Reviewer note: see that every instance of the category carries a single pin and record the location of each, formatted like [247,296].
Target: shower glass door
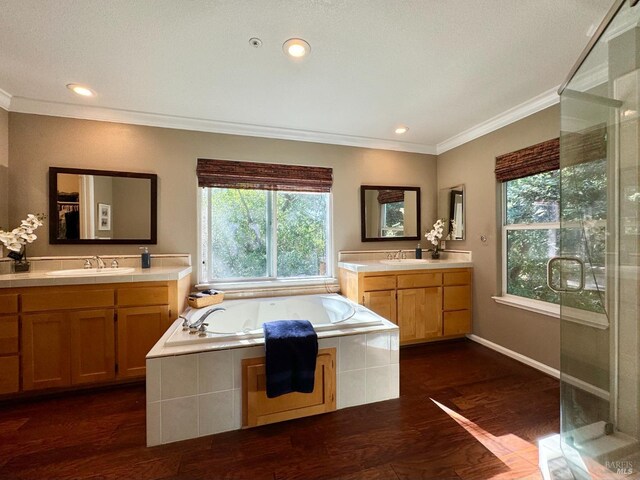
[596,272]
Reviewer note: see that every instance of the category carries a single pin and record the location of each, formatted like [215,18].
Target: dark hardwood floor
[465,412]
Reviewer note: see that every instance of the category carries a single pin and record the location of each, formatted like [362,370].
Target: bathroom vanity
[66,330]
[428,299]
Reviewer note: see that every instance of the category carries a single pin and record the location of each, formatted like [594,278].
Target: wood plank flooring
[465,413]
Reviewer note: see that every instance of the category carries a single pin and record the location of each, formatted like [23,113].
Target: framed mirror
[389,213]
[102,207]
[451,207]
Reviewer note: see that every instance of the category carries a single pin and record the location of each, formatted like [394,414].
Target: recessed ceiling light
[255,42]
[296,48]
[402,129]
[81,90]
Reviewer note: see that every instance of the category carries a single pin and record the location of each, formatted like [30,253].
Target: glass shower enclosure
[597,270]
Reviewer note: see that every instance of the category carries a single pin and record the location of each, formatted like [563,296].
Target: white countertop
[40,278]
[378,266]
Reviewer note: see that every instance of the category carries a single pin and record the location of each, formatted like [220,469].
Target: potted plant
[16,241]
[434,237]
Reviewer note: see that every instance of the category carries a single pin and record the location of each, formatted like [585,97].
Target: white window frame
[205,277]
[584,317]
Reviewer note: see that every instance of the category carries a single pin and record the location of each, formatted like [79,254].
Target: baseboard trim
[554,372]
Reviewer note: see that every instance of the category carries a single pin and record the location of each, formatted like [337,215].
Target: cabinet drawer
[133,297]
[8,335]
[457,278]
[420,280]
[9,374]
[379,283]
[457,323]
[9,303]
[66,299]
[457,298]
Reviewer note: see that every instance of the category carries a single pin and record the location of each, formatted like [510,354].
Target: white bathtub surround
[163,268]
[195,390]
[372,260]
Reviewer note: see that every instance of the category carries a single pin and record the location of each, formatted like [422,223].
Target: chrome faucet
[99,262]
[398,255]
[198,324]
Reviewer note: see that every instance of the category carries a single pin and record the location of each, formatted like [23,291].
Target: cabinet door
[382,302]
[93,347]
[139,328]
[419,314]
[46,358]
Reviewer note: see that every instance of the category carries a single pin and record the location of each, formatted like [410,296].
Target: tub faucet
[193,328]
[99,262]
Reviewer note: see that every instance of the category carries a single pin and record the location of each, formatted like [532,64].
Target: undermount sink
[88,272]
[405,261]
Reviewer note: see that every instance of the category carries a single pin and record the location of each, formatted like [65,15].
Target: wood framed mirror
[389,213]
[102,207]
[451,208]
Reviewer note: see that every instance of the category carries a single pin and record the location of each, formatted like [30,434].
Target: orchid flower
[16,239]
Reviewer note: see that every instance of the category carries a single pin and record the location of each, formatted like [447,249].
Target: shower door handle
[560,288]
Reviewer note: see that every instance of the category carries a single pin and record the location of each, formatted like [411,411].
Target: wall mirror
[389,213]
[102,207]
[451,207]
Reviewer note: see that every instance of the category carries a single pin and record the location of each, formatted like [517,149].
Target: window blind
[390,196]
[263,176]
[539,158]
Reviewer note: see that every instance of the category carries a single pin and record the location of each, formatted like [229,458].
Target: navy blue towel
[291,350]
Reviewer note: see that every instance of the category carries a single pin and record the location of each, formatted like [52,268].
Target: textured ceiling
[438,66]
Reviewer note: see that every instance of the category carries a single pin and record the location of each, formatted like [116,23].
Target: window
[252,234]
[392,219]
[530,234]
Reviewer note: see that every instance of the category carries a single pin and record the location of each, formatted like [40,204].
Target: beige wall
[131,207]
[37,142]
[472,164]
[4,169]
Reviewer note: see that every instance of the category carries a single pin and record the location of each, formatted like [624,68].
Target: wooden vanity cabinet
[427,305]
[65,336]
[9,344]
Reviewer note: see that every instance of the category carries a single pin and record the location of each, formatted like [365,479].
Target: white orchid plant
[435,235]
[17,239]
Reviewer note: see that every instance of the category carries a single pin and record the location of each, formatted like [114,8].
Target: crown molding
[536,104]
[85,112]
[5,100]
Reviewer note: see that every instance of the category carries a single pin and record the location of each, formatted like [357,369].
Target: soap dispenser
[145,258]
[419,251]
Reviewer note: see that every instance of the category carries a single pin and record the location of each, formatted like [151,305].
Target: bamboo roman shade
[588,145]
[539,158]
[263,176]
[390,196]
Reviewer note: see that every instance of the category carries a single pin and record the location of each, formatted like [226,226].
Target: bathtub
[195,384]
[243,319]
